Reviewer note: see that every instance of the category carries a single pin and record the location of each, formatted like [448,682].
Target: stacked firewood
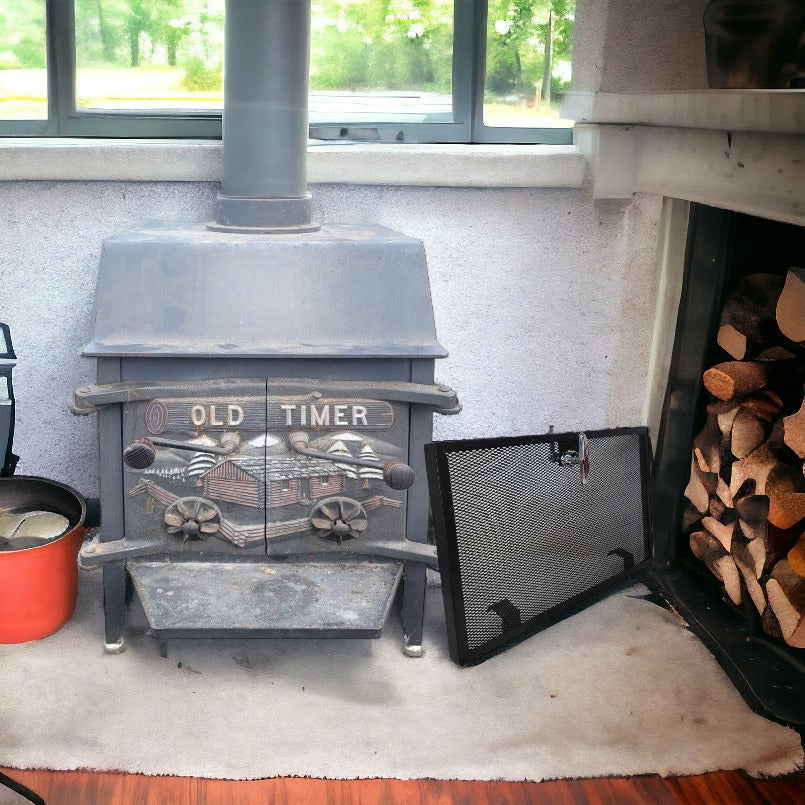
[746,512]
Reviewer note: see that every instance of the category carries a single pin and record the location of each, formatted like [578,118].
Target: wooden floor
[109,788]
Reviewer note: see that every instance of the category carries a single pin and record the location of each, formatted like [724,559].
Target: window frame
[468,86]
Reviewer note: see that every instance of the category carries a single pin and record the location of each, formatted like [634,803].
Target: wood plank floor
[110,788]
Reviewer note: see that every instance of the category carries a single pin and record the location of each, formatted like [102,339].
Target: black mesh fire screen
[528,528]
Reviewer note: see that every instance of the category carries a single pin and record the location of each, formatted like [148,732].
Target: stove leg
[114,605]
[413,607]
[162,646]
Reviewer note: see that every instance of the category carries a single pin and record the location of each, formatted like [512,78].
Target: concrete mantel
[757,110]
[736,149]
[449,165]
[752,172]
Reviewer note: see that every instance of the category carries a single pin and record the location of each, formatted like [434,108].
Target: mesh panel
[529,535]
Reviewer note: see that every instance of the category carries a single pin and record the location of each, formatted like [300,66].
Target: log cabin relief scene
[218,481]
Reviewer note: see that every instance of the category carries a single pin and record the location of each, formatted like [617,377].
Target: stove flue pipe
[265,128]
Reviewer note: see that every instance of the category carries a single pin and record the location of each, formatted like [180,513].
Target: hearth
[265,389]
[732,258]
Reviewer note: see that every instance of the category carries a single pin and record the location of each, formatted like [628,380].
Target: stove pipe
[265,121]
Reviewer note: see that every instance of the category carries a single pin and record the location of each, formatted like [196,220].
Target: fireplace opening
[728,469]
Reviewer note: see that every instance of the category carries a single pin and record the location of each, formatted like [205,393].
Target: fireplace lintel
[735,149]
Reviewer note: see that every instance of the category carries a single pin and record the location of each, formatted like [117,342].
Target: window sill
[43,159]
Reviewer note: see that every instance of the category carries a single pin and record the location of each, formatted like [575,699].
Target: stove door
[320,505]
[203,490]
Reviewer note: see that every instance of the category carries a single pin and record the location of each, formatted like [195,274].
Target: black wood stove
[265,389]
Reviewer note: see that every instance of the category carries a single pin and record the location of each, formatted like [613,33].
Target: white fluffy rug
[620,689]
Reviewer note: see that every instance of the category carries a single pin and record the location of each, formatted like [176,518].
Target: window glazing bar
[464,57]
[60,33]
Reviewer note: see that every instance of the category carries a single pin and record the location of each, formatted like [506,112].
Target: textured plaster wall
[635,46]
[544,298]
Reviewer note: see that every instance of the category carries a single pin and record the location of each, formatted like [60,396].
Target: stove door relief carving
[196,465]
[338,450]
[283,475]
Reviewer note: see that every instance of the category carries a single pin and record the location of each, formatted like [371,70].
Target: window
[384,70]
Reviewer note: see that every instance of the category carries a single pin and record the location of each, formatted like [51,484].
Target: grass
[23,96]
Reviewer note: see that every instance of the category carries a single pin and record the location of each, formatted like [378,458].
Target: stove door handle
[141,453]
[395,474]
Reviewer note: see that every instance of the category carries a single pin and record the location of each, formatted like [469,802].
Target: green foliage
[355,44]
[558,87]
[200,78]
[516,34]
[30,53]
[134,33]
[381,44]
[22,35]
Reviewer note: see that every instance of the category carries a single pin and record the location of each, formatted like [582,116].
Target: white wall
[544,298]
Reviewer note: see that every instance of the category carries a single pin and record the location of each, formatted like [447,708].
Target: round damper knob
[398,475]
[139,454]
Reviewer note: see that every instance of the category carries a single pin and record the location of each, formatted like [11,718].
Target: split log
[690,518]
[725,413]
[796,557]
[785,487]
[755,467]
[724,494]
[774,397]
[753,525]
[716,508]
[779,541]
[732,341]
[746,565]
[776,440]
[700,487]
[770,624]
[791,306]
[707,445]
[750,308]
[786,592]
[709,550]
[734,379]
[753,509]
[794,431]
[754,531]
[764,409]
[775,353]
[723,533]
[748,433]
[757,550]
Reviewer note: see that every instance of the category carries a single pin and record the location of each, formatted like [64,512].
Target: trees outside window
[372,61]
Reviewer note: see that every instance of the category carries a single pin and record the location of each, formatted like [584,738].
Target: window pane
[149,54]
[371,60]
[527,62]
[381,61]
[23,61]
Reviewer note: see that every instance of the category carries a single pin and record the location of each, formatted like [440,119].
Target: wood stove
[265,389]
